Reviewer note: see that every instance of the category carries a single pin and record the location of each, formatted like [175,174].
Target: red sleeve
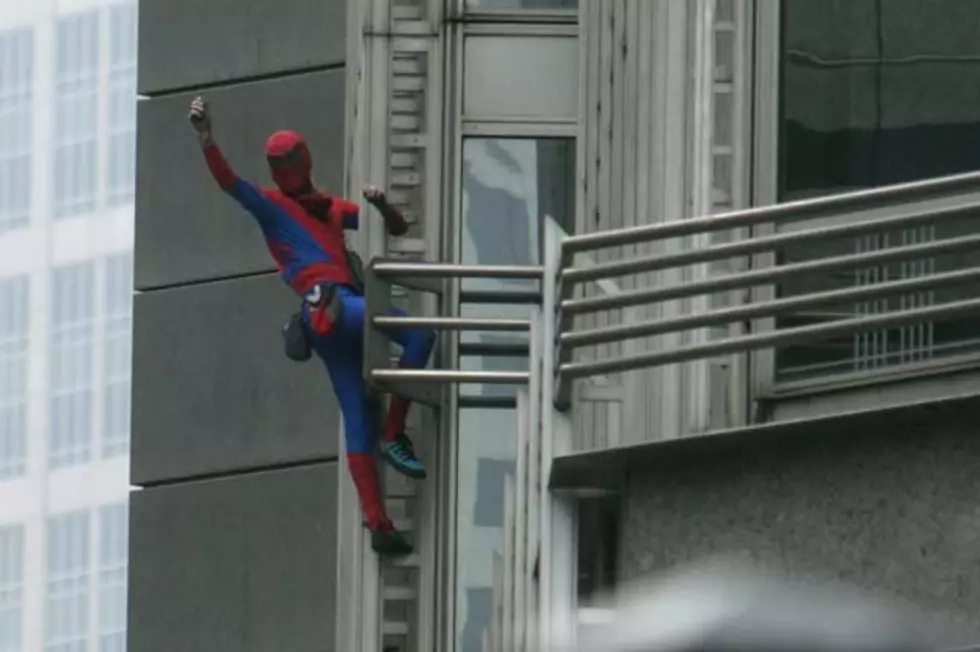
[219,167]
[349,212]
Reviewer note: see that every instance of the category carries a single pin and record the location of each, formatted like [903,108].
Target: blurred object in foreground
[721,608]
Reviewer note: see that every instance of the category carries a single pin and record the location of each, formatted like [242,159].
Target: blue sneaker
[400,455]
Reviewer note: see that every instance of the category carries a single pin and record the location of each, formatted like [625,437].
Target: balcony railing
[539,609]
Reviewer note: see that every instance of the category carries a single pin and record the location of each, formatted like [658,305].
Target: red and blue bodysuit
[304,230]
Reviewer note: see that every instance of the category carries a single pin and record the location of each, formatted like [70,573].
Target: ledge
[605,470]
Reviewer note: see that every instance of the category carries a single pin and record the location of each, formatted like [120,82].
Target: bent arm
[246,194]
[394,220]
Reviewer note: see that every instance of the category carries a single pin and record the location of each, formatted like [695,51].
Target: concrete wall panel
[895,512]
[187,43]
[245,563]
[186,228]
[213,391]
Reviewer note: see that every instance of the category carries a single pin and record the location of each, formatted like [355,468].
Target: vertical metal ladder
[404,33]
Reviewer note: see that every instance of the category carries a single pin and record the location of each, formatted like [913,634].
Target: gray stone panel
[245,563]
[213,391]
[188,43]
[895,511]
[187,229]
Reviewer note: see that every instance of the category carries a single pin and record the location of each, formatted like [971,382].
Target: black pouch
[295,343]
[356,266]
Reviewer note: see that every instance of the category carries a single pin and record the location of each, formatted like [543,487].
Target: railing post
[557,551]
[554,292]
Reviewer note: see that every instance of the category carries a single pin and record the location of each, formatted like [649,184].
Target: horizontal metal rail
[449,270]
[768,275]
[784,337]
[452,323]
[785,212]
[773,308]
[500,296]
[759,245]
[452,376]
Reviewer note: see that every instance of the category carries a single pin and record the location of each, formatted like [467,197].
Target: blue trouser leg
[416,343]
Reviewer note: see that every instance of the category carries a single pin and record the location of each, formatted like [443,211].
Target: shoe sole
[414,474]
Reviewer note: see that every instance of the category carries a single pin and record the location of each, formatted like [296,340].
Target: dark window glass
[876,93]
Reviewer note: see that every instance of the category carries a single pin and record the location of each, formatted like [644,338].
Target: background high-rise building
[67,162]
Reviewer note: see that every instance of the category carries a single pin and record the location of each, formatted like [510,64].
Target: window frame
[460,10]
[26,101]
[68,207]
[13,535]
[81,584]
[459,127]
[766,142]
[20,342]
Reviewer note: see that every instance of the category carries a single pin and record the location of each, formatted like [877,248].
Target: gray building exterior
[234,449]
[502,129]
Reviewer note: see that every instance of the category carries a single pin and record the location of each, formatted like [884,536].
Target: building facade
[67,148]
[502,128]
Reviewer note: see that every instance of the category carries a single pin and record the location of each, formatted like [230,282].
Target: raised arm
[392,216]
[246,194]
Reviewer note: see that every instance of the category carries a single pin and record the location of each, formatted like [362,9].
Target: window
[72,302]
[118,300]
[876,93]
[67,613]
[521,4]
[11,587]
[510,186]
[122,103]
[16,122]
[13,375]
[76,114]
[113,554]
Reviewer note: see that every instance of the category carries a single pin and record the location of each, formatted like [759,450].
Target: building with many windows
[770,352]
[67,147]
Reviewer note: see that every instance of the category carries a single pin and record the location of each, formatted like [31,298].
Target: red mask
[289,162]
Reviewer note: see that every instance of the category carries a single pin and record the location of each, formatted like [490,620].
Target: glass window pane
[76,114]
[521,4]
[877,93]
[14,347]
[11,587]
[113,554]
[117,322]
[16,126]
[67,591]
[510,186]
[72,331]
[503,77]
[122,103]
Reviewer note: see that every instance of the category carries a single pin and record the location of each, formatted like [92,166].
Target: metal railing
[424,385]
[564,278]
[571,277]
[544,517]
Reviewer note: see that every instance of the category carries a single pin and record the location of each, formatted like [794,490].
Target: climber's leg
[395,447]
[343,364]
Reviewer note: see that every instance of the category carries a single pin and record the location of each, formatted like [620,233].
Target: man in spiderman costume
[304,231]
